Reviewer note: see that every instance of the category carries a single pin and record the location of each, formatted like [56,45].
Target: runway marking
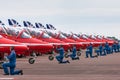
[7,79]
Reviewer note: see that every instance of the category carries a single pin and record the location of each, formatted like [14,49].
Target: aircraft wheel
[66,55]
[37,54]
[31,60]
[78,53]
[51,58]
[1,65]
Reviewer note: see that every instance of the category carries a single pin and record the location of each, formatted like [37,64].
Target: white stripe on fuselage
[11,45]
[35,44]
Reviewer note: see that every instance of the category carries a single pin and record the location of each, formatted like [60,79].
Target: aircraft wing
[3,45]
[59,43]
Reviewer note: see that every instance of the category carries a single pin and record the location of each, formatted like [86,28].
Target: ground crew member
[11,64]
[73,55]
[61,55]
[89,51]
[100,50]
[118,47]
[114,47]
[107,49]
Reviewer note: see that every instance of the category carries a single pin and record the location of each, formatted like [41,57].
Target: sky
[100,17]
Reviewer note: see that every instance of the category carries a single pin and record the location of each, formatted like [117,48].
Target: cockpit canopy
[75,37]
[62,36]
[37,33]
[93,37]
[84,36]
[16,31]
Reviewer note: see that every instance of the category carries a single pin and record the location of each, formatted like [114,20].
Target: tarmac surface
[101,68]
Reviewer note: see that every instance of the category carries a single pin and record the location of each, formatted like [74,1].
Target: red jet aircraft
[19,35]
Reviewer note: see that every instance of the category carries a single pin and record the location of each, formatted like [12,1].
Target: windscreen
[45,35]
[51,34]
[12,32]
[84,36]
[15,32]
[62,36]
[75,37]
[100,37]
[93,37]
[25,35]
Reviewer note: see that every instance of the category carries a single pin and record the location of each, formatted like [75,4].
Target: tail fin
[52,26]
[13,22]
[39,25]
[10,22]
[1,23]
[28,24]
[25,24]
[49,26]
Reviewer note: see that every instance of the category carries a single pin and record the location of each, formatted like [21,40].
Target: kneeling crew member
[89,51]
[61,55]
[73,55]
[11,64]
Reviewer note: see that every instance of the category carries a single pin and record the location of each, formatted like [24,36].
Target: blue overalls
[11,64]
[89,51]
[118,47]
[73,55]
[107,49]
[114,47]
[99,51]
[61,55]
